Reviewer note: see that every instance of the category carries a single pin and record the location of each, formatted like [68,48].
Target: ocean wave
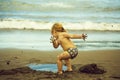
[60,5]
[29,24]
[20,5]
[99,45]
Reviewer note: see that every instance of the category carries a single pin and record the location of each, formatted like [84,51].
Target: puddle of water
[45,67]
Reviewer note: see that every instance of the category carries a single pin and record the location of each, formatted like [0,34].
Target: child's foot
[68,71]
[59,73]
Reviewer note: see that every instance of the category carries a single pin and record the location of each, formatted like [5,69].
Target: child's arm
[54,41]
[76,36]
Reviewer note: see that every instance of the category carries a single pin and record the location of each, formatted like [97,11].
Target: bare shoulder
[65,34]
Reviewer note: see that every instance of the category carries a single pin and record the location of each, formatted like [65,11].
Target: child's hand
[52,39]
[84,36]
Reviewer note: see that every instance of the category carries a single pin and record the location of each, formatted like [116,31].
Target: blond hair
[57,27]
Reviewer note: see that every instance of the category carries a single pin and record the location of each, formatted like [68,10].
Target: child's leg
[62,56]
[68,64]
[59,64]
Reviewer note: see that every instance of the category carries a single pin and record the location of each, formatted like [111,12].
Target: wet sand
[13,65]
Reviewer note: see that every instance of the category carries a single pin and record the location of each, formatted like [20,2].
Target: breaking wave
[29,24]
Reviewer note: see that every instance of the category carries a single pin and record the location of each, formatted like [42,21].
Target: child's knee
[59,57]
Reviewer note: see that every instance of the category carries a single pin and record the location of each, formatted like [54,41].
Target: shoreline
[15,59]
[92,30]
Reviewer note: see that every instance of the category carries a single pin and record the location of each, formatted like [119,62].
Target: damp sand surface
[13,65]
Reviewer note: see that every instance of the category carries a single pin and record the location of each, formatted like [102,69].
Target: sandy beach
[13,65]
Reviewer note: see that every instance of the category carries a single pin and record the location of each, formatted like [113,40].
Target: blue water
[61,10]
[40,40]
[45,67]
[91,15]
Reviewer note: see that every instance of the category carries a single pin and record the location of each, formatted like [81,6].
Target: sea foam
[57,4]
[29,24]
